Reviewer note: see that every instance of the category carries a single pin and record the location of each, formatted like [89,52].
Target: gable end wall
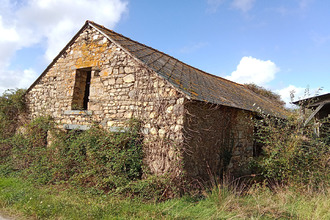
[121,89]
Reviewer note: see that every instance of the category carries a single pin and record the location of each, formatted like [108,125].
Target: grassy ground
[23,200]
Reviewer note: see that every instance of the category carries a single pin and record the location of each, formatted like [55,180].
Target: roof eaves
[314,98]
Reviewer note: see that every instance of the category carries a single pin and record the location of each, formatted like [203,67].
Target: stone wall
[179,134]
[121,88]
[218,140]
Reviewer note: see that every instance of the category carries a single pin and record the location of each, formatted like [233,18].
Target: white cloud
[243,5]
[8,34]
[58,20]
[253,70]
[298,8]
[29,75]
[8,42]
[52,23]
[10,79]
[292,93]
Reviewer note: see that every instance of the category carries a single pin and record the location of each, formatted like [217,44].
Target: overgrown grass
[97,175]
[21,199]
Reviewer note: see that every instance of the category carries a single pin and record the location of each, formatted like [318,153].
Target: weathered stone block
[129,78]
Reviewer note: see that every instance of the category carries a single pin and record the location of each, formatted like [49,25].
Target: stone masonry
[121,88]
[218,140]
[181,136]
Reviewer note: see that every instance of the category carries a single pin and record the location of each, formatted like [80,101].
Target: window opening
[81,90]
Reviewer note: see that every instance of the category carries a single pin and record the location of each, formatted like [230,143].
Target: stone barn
[194,124]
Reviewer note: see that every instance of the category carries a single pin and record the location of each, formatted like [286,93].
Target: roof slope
[195,83]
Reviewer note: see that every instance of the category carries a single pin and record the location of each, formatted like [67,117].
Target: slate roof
[195,83]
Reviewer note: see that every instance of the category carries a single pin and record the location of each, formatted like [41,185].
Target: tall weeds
[292,153]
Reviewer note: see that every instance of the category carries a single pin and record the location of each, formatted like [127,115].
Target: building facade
[194,124]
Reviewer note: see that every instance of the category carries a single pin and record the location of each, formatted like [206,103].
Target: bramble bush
[95,159]
[92,158]
[292,153]
[98,158]
[11,105]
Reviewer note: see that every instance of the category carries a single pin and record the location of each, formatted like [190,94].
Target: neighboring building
[320,110]
[194,123]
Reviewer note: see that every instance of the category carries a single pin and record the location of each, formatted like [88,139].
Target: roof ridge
[209,74]
[235,95]
[214,94]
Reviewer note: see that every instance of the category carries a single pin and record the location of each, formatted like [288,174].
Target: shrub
[98,158]
[92,158]
[29,153]
[292,154]
[11,105]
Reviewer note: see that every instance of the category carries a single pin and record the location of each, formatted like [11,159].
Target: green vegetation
[21,198]
[46,173]
[293,154]
[266,93]
[96,159]
[11,105]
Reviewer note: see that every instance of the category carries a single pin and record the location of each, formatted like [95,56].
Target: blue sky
[282,45]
